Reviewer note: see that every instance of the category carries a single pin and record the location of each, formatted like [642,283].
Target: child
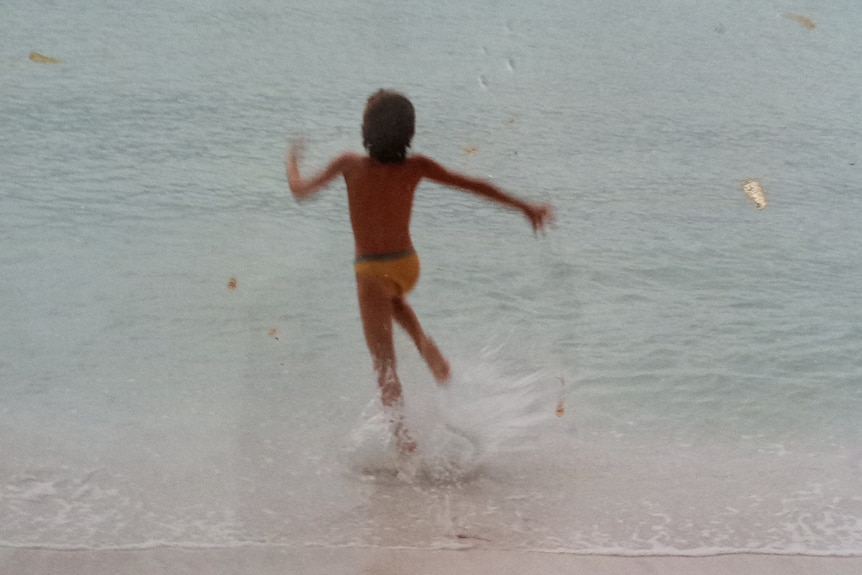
[380,189]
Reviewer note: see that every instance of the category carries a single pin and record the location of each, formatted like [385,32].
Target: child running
[380,190]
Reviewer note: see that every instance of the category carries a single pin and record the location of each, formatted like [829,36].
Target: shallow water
[708,351]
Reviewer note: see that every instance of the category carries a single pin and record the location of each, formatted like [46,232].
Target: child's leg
[406,318]
[376,310]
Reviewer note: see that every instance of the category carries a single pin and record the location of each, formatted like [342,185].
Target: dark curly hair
[388,125]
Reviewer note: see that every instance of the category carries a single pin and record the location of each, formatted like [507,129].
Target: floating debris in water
[561,408]
[807,22]
[470,150]
[273,333]
[231,283]
[755,192]
[43,59]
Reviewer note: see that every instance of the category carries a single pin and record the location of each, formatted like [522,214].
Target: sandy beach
[388,561]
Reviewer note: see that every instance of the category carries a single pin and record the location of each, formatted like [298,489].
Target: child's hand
[296,150]
[539,215]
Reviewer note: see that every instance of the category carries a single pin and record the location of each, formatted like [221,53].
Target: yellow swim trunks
[399,269]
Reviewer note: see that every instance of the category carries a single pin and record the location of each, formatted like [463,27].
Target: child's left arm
[301,188]
[539,215]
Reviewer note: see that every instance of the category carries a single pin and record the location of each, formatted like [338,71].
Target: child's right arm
[538,214]
[301,188]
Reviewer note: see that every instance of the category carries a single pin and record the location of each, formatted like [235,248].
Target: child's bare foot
[406,444]
[436,362]
[395,412]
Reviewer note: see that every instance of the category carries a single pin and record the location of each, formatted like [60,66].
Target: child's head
[388,125]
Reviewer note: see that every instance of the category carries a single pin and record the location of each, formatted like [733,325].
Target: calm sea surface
[181,358]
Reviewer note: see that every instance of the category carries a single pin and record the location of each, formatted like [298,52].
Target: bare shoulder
[348,160]
[433,170]
[420,160]
[426,166]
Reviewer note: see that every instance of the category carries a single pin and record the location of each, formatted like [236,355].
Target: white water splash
[485,413]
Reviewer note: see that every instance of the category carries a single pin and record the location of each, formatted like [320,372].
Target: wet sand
[268,560]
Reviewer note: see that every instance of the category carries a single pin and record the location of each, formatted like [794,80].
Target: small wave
[699,552]
[65,508]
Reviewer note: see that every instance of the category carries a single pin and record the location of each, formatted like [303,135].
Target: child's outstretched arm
[538,214]
[301,188]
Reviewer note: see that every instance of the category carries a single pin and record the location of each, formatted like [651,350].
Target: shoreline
[272,560]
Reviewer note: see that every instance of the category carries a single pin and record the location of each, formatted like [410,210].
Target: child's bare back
[380,197]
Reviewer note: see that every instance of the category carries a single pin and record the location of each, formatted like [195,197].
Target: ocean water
[181,358]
